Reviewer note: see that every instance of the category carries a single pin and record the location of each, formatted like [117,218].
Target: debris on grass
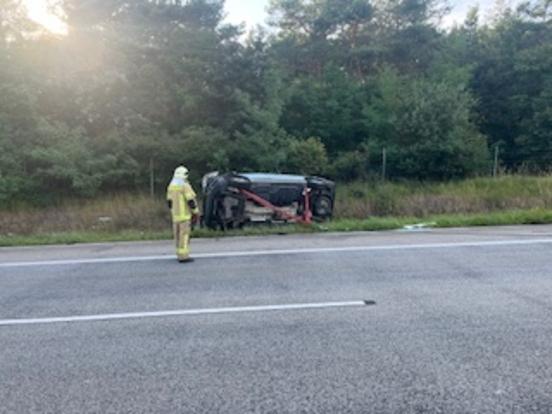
[419,226]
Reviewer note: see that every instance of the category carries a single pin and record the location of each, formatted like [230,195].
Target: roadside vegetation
[360,206]
[418,199]
[379,94]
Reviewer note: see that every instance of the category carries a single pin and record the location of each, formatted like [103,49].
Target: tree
[421,141]
[535,139]
[514,64]
[328,108]
[141,86]
[14,22]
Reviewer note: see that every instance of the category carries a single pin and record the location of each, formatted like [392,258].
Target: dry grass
[481,195]
[109,214]
[139,215]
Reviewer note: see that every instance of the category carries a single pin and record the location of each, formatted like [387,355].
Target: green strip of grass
[535,216]
[80,237]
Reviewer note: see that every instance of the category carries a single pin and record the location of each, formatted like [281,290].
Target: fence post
[152,178]
[384,164]
[495,164]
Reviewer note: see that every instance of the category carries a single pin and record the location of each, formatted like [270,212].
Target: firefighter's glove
[195,219]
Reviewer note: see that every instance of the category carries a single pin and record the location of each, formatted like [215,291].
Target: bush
[349,166]
[307,157]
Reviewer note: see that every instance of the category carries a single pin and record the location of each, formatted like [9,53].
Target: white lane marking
[252,253]
[188,312]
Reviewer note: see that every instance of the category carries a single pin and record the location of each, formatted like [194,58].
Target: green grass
[76,237]
[533,216]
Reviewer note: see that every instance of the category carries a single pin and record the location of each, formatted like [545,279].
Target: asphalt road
[462,324]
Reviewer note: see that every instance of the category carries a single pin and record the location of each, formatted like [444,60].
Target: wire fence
[502,161]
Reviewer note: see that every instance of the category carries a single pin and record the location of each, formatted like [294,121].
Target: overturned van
[233,200]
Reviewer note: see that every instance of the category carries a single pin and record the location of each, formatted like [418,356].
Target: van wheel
[322,207]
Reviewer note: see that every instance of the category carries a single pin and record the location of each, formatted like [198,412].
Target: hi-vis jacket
[181,195]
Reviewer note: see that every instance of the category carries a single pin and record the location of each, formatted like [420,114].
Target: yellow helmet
[181,172]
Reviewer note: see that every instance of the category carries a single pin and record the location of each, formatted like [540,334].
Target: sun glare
[40,12]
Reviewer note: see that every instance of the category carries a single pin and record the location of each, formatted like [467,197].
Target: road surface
[443,321]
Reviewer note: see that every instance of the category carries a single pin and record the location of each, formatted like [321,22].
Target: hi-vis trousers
[182,232]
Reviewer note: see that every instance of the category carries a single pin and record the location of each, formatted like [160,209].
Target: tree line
[138,87]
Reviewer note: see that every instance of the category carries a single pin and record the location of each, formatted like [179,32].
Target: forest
[327,87]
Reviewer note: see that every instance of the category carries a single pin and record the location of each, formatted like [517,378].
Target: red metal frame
[305,218]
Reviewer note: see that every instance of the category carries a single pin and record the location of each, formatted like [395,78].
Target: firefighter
[185,211]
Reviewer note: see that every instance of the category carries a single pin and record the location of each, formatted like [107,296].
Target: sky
[250,12]
[253,12]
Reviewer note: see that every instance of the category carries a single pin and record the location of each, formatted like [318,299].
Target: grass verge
[533,216]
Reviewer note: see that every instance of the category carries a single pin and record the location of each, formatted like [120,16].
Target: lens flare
[42,13]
